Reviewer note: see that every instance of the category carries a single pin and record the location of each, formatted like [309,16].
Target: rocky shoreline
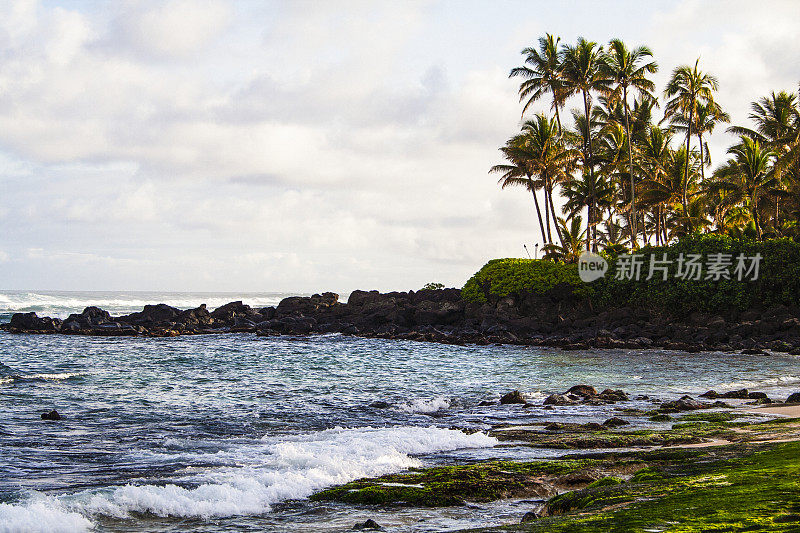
[443,316]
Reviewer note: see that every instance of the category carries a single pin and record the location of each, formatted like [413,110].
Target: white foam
[280,469]
[39,516]
[425,405]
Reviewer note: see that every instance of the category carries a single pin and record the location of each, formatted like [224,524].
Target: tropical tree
[542,75]
[574,239]
[688,88]
[582,75]
[748,178]
[516,173]
[628,69]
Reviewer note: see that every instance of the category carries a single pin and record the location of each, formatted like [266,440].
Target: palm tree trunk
[538,211]
[547,214]
[591,234]
[702,159]
[555,220]
[630,166]
[658,225]
[558,117]
[686,168]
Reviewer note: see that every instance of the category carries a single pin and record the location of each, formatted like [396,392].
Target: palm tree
[707,116]
[574,238]
[688,88]
[748,178]
[581,74]
[537,159]
[625,69]
[659,191]
[542,74]
[549,159]
[516,173]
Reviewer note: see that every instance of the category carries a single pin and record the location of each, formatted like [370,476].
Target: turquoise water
[233,432]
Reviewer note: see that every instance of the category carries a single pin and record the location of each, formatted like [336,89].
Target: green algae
[731,488]
[453,485]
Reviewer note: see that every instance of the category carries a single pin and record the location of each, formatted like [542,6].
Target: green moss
[727,489]
[451,485]
[605,482]
[723,416]
[660,418]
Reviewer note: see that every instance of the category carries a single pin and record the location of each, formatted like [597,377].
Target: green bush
[512,277]
[778,281]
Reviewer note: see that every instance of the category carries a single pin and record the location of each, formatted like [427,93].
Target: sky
[195,145]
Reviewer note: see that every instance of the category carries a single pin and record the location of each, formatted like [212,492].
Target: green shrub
[778,281]
[512,277]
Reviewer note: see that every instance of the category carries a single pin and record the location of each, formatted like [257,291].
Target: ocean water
[234,432]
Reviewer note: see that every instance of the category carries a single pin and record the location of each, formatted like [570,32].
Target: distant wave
[59,304]
[425,405]
[272,471]
[9,375]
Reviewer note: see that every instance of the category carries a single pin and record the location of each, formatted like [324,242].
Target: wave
[22,378]
[276,470]
[62,303]
[423,405]
[770,382]
[47,517]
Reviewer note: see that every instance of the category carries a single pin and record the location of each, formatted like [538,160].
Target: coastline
[443,316]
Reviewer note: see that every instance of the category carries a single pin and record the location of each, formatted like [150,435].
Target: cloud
[298,146]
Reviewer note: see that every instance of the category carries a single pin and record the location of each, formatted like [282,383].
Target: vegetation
[639,180]
[778,279]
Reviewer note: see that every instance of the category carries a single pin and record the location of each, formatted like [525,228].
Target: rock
[711,395]
[793,398]
[380,405]
[615,422]
[512,397]
[485,403]
[612,396]
[753,351]
[686,403]
[757,396]
[741,394]
[306,304]
[52,415]
[369,524]
[530,516]
[31,322]
[582,390]
[558,399]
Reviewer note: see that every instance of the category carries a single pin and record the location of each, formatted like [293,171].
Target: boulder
[369,524]
[793,398]
[152,315]
[611,395]
[615,422]
[559,399]
[530,516]
[686,403]
[306,304]
[582,390]
[512,397]
[52,415]
[31,322]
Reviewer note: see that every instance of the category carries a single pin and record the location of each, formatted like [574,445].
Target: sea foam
[278,469]
[41,516]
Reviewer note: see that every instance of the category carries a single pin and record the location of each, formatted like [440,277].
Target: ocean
[234,432]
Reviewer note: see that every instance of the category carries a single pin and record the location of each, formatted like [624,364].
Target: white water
[275,470]
[59,304]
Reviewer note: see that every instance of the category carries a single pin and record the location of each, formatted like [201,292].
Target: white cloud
[298,146]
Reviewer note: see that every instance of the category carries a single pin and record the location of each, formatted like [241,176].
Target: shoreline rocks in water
[443,316]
